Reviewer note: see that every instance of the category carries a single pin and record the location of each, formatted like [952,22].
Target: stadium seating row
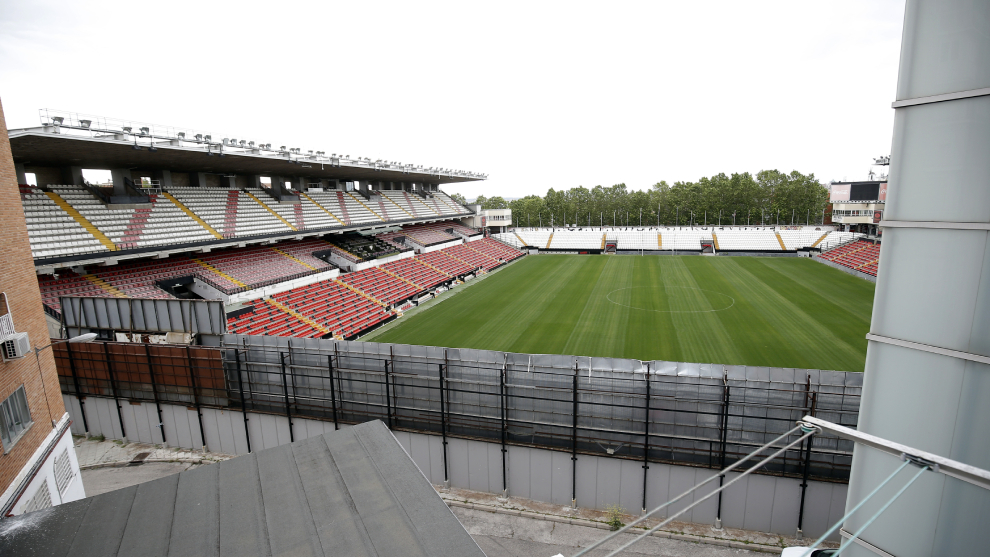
[65,220]
[234,269]
[860,255]
[672,238]
[357,301]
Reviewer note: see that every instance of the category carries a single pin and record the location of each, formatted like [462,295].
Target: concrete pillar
[117,175]
[229,181]
[253,181]
[71,175]
[933,291]
[362,187]
[197,179]
[278,185]
[164,177]
[299,183]
[19,170]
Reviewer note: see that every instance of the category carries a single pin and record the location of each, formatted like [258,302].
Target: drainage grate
[138,459]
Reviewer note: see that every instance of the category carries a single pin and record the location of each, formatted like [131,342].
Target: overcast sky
[535,94]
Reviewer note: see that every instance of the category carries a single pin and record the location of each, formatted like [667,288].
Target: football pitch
[759,311]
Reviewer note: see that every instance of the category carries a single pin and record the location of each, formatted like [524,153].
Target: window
[31,178]
[14,418]
[42,499]
[63,472]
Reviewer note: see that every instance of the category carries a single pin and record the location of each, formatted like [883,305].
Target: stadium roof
[351,492]
[70,139]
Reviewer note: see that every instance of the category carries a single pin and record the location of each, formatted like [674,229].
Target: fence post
[113,390]
[574,412]
[646,437]
[75,383]
[501,399]
[443,427]
[807,468]
[285,390]
[199,411]
[333,393]
[154,391]
[722,448]
[388,397]
[240,385]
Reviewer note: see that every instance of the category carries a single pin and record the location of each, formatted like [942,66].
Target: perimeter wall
[560,429]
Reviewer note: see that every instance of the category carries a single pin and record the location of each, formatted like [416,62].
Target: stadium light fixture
[58,120]
[85,124]
[182,135]
[145,131]
[208,138]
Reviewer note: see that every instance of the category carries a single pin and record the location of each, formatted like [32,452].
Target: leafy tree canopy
[768,197]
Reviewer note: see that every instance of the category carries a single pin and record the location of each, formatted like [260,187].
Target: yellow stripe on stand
[304,264]
[191,214]
[64,205]
[213,269]
[106,286]
[286,309]
[365,206]
[270,210]
[314,202]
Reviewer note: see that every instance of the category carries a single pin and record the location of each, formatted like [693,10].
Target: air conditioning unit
[15,346]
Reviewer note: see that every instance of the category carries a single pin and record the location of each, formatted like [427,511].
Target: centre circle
[728,301]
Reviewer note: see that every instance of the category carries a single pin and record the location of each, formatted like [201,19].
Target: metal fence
[689,414]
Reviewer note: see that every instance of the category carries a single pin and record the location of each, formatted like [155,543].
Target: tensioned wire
[842,520]
[688,492]
[876,515]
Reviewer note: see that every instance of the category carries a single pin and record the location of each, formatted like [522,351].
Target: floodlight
[58,120]
[182,135]
[208,137]
[145,131]
[199,137]
[127,129]
[85,123]
[226,141]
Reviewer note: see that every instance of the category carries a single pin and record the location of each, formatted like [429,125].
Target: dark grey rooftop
[353,492]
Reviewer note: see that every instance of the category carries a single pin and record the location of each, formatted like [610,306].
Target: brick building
[38,466]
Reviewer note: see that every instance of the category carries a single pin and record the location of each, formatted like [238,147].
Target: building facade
[38,466]
[858,206]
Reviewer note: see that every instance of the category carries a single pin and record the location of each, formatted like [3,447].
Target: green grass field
[763,311]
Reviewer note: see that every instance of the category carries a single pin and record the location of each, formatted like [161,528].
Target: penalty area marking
[732,303]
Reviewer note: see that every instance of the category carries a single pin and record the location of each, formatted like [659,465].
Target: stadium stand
[746,240]
[428,234]
[160,224]
[382,286]
[675,238]
[68,220]
[414,271]
[53,231]
[861,255]
[577,239]
[495,249]
[536,237]
[356,247]
[227,270]
[412,204]
[329,304]
[440,261]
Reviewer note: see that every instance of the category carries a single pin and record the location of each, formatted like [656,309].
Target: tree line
[770,197]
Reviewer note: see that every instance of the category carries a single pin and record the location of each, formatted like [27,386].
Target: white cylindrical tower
[927,381]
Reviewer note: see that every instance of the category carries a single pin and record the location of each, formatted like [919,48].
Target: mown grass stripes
[780,312]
